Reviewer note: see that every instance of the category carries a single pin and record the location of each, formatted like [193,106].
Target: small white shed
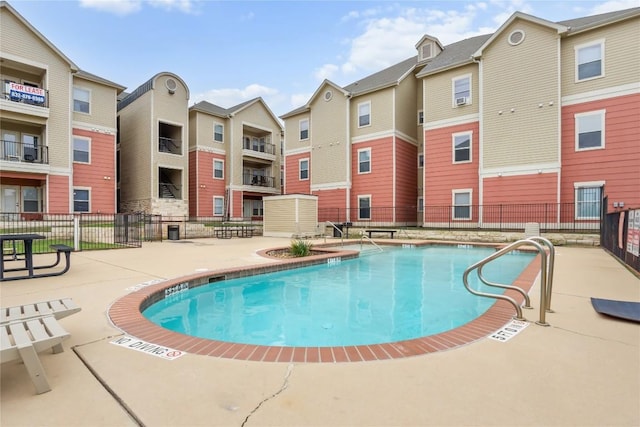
[290,215]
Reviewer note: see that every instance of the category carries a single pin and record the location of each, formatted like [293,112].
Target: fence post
[76,233]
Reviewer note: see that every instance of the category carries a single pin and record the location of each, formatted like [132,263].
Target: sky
[228,52]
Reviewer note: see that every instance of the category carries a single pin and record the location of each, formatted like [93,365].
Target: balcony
[258,181]
[25,99]
[14,151]
[259,147]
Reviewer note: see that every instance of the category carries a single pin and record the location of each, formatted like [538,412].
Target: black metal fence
[558,217]
[80,231]
[620,235]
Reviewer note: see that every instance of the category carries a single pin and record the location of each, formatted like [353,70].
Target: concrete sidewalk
[582,370]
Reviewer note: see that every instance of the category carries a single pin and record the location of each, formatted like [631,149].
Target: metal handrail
[341,233]
[363,237]
[550,267]
[543,279]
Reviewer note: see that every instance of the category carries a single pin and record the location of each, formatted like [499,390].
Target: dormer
[428,47]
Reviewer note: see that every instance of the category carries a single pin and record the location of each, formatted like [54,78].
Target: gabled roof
[523,16]
[7,6]
[454,55]
[388,77]
[428,37]
[92,77]
[589,22]
[127,98]
[307,106]
[216,110]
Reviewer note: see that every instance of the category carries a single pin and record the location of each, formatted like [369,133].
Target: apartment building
[153,149]
[234,159]
[357,147]
[57,125]
[537,112]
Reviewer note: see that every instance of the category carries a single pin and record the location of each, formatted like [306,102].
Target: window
[30,147]
[462,204]
[218,206]
[81,100]
[420,204]
[30,199]
[80,200]
[420,160]
[256,208]
[81,146]
[364,160]
[462,91]
[304,129]
[461,147]
[304,169]
[364,114]
[425,51]
[589,61]
[218,169]
[218,132]
[420,117]
[590,130]
[364,207]
[588,200]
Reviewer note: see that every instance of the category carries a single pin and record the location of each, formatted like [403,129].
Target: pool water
[398,294]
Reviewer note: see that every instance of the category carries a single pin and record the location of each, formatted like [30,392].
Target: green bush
[300,248]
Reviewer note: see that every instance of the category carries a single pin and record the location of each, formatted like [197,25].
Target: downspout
[393,155]
[480,140]
[559,119]
[231,168]
[348,156]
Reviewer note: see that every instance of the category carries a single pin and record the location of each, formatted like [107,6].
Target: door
[10,146]
[10,203]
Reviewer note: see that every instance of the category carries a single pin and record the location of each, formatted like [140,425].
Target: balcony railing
[169,145]
[23,152]
[259,146]
[258,180]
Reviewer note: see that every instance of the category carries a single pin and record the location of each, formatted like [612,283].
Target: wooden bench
[390,232]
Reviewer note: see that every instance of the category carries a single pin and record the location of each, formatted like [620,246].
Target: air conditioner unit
[461,101]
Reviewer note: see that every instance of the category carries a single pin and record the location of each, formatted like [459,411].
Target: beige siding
[381,112]
[290,215]
[292,132]
[21,44]
[438,101]
[406,98]
[103,104]
[621,57]
[135,149]
[329,153]
[520,81]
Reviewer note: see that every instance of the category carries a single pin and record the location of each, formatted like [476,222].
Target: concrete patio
[583,370]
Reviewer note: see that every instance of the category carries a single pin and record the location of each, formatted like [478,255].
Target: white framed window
[461,147]
[304,129]
[218,169]
[81,149]
[218,206]
[461,90]
[81,200]
[461,200]
[588,199]
[81,100]
[420,160]
[364,207]
[590,130]
[589,61]
[303,167]
[420,204]
[420,117]
[364,114]
[30,199]
[364,160]
[218,132]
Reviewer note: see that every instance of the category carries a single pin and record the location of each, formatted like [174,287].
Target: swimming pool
[400,294]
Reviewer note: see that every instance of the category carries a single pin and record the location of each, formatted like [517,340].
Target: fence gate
[127,229]
[620,235]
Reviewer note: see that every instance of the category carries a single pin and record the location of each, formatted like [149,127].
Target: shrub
[300,248]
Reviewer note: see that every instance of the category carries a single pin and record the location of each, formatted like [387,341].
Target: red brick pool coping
[126,315]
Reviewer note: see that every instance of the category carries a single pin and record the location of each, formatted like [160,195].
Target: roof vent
[327,95]
[171,85]
[516,37]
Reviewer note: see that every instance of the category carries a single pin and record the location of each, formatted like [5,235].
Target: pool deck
[583,370]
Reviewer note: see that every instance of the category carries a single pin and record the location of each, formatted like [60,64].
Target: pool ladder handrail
[546,277]
[341,232]
[363,237]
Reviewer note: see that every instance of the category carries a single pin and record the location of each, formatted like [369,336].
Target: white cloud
[228,97]
[327,71]
[126,7]
[299,99]
[612,5]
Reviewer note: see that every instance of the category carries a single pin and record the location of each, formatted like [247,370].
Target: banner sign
[34,95]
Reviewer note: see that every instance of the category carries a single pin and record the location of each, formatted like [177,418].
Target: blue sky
[231,51]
